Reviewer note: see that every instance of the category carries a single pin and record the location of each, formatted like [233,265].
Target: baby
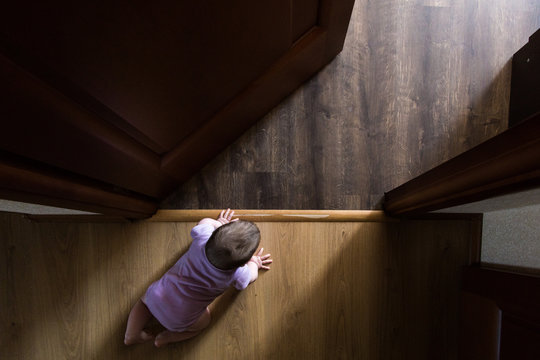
[221,255]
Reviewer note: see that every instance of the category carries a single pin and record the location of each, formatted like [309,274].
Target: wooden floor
[347,290]
[418,82]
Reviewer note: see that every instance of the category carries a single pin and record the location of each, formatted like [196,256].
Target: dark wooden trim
[334,17]
[22,181]
[447,216]
[475,223]
[480,328]
[525,87]
[507,163]
[307,56]
[511,269]
[475,253]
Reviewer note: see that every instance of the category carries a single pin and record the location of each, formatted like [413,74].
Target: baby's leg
[138,317]
[166,337]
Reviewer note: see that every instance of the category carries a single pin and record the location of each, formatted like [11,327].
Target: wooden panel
[336,290]
[40,123]
[429,256]
[516,296]
[480,328]
[506,163]
[519,339]
[164,69]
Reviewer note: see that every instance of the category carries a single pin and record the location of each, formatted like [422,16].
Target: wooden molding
[276,215]
[20,181]
[525,87]
[507,163]
[282,216]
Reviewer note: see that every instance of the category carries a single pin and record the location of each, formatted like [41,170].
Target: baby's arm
[258,262]
[225,217]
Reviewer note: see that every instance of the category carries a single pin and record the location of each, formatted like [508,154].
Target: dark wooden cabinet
[131,99]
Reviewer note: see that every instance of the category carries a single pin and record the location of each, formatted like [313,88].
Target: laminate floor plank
[348,290]
[417,83]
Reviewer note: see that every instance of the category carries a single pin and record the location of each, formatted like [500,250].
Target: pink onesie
[180,297]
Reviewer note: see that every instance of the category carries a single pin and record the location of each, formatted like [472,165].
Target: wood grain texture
[343,290]
[144,97]
[68,136]
[26,181]
[417,83]
[174,64]
[278,215]
[506,163]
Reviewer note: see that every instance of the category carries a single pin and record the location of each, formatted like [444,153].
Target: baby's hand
[263,261]
[225,217]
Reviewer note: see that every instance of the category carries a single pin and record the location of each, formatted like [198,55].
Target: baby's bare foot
[141,338]
[163,338]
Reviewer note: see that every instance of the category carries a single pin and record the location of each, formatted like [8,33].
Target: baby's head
[233,244]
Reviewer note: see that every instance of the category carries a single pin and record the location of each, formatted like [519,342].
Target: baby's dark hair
[233,244]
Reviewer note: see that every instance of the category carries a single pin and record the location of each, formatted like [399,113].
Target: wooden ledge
[277,215]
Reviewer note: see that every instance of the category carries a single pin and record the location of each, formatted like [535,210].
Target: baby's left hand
[262,261]
[225,217]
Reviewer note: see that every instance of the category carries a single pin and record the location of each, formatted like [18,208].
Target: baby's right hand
[263,261]
[225,217]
